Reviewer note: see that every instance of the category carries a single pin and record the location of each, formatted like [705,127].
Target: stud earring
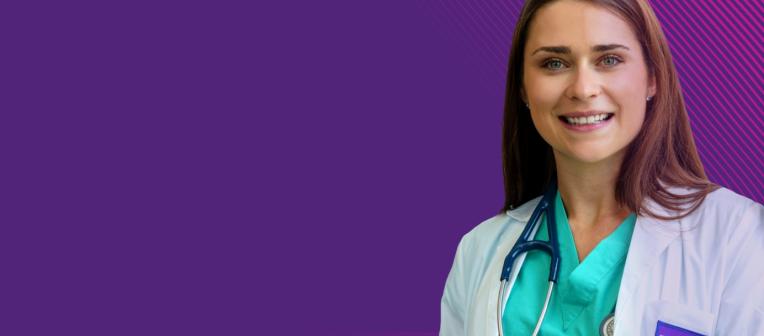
[649,97]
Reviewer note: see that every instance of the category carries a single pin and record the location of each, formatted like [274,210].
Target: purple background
[230,168]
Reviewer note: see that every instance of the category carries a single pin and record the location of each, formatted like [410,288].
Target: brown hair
[662,155]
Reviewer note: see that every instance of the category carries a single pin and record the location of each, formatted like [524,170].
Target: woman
[594,109]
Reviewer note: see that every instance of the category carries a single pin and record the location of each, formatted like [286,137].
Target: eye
[611,60]
[552,64]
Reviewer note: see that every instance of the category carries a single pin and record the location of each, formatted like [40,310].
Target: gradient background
[284,168]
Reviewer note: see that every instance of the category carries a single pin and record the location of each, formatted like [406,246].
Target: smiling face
[585,80]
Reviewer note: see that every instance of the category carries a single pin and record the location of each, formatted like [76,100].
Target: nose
[585,84]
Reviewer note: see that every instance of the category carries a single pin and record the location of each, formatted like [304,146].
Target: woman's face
[582,64]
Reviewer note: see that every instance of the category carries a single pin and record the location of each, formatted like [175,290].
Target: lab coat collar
[523,213]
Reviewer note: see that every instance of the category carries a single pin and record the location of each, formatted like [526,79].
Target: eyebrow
[566,50]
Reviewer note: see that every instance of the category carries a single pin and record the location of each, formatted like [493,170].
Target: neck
[588,192]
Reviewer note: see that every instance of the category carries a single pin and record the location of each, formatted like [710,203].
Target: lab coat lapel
[650,239]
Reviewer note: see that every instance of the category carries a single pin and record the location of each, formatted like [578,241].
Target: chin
[591,156]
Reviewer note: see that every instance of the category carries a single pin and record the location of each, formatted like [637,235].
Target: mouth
[587,122]
[592,119]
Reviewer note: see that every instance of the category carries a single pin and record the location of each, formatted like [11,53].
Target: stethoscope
[552,247]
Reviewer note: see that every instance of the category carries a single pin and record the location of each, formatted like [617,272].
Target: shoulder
[725,201]
[728,228]
[724,230]
[734,229]
[740,220]
[477,250]
[728,214]
[721,211]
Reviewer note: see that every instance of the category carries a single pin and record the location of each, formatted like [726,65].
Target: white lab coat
[704,272]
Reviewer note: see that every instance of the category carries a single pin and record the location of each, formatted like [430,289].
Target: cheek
[542,90]
[629,89]
[546,126]
[632,83]
[545,95]
[632,108]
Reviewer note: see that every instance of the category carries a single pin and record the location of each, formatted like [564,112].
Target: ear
[651,86]
[523,96]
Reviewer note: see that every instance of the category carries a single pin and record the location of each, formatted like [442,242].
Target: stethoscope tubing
[524,245]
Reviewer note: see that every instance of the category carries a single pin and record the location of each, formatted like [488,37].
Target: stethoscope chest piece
[607,327]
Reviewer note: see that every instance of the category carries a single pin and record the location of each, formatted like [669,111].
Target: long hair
[662,155]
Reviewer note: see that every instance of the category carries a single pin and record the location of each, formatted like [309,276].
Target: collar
[523,213]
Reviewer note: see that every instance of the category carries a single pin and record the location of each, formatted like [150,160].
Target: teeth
[586,120]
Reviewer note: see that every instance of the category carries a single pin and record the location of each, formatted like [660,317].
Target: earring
[528,106]
[649,97]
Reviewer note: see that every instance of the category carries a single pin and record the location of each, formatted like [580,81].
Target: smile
[588,123]
[587,120]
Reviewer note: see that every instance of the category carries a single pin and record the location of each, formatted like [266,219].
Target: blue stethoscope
[524,244]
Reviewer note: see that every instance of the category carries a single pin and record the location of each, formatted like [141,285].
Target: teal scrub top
[585,293]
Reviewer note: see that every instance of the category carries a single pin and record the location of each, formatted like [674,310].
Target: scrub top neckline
[621,234]
[582,281]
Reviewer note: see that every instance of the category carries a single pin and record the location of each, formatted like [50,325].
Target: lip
[578,114]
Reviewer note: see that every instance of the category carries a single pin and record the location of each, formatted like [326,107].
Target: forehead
[578,24]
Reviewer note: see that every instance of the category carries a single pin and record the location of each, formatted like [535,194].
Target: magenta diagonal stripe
[727,152]
[709,85]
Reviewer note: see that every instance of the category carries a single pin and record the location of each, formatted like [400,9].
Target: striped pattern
[717,47]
